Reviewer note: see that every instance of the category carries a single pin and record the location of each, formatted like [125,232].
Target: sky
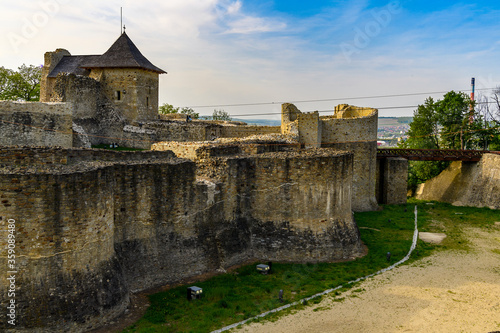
[247,57]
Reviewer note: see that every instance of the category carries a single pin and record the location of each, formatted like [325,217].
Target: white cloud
[217,52]
[250,24]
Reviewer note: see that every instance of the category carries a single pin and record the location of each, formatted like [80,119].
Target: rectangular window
[147,102]
[118,95]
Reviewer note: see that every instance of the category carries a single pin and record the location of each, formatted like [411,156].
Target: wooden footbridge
[434,154]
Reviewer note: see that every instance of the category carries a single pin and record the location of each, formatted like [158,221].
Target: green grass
[245,293]
[117,149]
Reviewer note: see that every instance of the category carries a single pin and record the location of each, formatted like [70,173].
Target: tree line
[216,115]
[20,85]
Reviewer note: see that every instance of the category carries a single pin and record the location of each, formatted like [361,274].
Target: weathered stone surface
[350,128]
[91,226]
[392,180]
[36,124]
[466,184]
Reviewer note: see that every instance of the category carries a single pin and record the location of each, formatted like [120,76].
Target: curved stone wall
[68,276]
[91,229]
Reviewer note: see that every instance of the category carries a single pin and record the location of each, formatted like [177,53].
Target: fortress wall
[196,150]
[53,156]
[170,227]
[356,129]
[392,181]
[358,135]
[91,232]
[83,92]
[364,173]
[156,227]
[309,127]
[303,207]
[184,132]
[244,131]
[474,184]
[48,124]
[68,276]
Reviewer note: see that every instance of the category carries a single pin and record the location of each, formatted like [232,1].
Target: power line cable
[330,99]
[321,111]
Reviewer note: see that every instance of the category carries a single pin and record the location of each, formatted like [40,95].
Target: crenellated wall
[92,226]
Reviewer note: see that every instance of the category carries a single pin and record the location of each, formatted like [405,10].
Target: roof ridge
[123,54]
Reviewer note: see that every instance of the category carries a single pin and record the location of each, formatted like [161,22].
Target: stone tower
[126,78]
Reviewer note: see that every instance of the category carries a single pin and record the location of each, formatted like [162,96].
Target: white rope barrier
[412,247]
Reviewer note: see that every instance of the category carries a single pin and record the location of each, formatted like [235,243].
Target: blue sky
[222,52]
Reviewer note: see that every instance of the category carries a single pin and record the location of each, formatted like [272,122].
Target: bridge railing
[433,154]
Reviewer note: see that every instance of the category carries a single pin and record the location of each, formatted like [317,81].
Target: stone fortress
[95,225]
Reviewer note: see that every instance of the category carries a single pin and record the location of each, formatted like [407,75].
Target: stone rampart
[248,130]
[91,228]
[36,124]
[350,128]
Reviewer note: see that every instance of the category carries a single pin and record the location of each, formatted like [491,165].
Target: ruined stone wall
[24,157]
[92,228]
[36,124]
[303,207]
[51,59]
[69,278]
[197,150]
[310,129]
[466,184]
[289,115]
[358,135]
[244,131]
[350,128]
[184,132]
[83,92]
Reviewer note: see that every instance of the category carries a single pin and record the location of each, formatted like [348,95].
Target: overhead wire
[330,99]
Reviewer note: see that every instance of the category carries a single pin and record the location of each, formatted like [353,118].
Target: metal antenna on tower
[121,20]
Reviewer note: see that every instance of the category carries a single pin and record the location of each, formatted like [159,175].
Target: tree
[23,85]
[454,115]
[489,111]
[423,134]
[5,73]
[424,129]
[168,108]
[220,115]
[442,124]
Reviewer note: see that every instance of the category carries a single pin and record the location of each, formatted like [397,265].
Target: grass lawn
[245,293]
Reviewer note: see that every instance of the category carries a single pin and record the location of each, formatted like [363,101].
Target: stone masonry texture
[93,226]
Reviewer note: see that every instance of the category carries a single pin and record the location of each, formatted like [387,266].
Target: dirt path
[450,291]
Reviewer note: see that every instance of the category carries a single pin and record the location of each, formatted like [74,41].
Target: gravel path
[450,291]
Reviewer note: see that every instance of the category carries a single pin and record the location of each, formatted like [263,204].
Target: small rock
[430,237]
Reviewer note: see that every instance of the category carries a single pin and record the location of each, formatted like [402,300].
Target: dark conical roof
[122,54]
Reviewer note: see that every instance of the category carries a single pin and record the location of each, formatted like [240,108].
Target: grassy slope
[244,293]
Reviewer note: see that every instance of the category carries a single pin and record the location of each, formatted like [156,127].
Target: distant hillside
[394,121]
[382,121]
[260,122]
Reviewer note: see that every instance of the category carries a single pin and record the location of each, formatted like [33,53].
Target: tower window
[118,95]
[147,102]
